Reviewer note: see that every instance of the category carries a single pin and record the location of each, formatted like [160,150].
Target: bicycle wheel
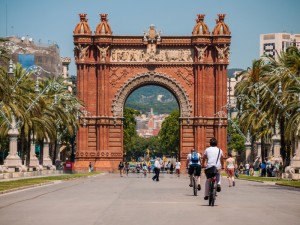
[213,197]
[194,186]
[211,194]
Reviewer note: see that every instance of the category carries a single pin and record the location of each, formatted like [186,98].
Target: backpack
[194,158]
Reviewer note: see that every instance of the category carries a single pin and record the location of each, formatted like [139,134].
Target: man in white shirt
[157,166]
[193,163]
[214,156]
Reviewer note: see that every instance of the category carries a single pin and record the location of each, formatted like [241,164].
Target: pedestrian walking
[126,168]
[157,166]
[177,167]
[121,167]
[230,162]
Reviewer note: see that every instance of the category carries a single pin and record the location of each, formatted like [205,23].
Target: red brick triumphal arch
[111,67]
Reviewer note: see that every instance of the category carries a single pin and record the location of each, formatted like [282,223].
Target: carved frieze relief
[160,55]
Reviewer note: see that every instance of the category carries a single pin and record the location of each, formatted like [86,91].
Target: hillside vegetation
[151,96]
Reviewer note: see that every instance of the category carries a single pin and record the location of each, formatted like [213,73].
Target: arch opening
[152,78]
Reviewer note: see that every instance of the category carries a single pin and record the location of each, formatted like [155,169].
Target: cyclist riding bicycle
[193,163]
[214,156]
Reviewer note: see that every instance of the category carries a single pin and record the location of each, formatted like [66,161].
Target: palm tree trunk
[22,145]
[283,150]
[28,150]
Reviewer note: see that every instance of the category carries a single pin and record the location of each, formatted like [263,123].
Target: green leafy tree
[130,135]
[237,142]
[169,134]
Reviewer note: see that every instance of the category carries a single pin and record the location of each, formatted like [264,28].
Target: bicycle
[194,180]
[212,191]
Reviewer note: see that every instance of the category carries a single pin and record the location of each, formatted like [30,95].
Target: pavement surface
[108,199]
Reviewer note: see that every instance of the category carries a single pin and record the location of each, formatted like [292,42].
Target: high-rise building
[271,44]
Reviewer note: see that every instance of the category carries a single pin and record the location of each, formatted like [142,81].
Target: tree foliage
[169,134]
[42,110]
[129,129]
[268,95]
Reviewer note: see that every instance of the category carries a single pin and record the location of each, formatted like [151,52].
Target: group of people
[213,157]
[266,168]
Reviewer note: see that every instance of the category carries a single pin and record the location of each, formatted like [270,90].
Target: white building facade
[271,44]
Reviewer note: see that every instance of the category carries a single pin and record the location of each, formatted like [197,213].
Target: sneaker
[199,187]
[206,198]
[190,185]
[233,183]
[218,188]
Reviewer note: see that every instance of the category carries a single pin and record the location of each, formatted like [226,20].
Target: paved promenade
[135,200]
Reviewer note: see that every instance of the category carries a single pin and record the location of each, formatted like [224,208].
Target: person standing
[90,167]
[214,157]
[157,166]
[121,167]
[171,168]
[247,167]
[263,169]
[241,168]
[177,167]
[251,169]
[192,164]
[276,169]
[145,168]
[230,162]
[126,168]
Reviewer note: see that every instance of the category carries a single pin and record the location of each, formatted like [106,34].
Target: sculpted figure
[222,52]
[201,52]
[82,51]
[103,53]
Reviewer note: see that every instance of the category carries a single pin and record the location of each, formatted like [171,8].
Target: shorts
[230,172]
[196,167]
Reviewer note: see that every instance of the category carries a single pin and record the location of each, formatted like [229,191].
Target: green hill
[151,96]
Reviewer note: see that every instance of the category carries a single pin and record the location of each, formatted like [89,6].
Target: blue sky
[53,21]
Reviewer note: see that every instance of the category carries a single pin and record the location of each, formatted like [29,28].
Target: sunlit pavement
[134,200]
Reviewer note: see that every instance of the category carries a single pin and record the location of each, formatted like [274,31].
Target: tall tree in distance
[129,128]
[169,134]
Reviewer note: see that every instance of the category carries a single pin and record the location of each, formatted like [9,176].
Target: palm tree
[252,118]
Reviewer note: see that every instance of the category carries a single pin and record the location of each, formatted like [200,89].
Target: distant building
[47,56]
[271,44]
[149,125]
